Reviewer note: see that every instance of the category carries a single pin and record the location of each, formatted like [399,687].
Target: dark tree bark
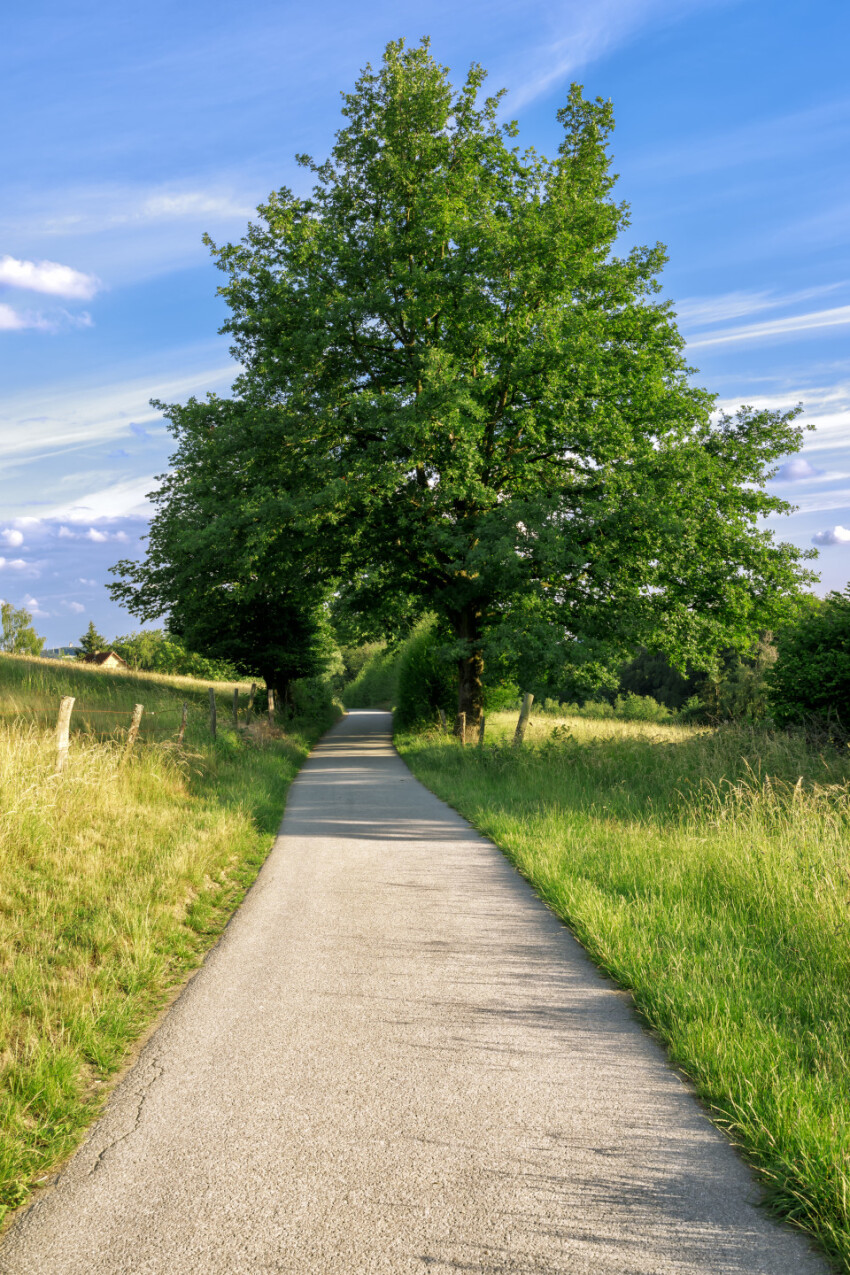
[470,667]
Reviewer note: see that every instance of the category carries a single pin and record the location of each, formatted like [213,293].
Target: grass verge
[115,879]
[709,874]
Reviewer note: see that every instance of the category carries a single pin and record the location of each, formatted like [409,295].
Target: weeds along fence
[163,724]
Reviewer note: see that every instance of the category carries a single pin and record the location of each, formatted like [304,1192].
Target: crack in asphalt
[159,1071]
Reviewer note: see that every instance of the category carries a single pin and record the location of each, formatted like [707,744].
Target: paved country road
[396,1060]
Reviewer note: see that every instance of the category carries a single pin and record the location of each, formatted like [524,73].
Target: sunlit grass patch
[709,873]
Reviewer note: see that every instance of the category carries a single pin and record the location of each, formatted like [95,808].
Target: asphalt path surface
[396,1059]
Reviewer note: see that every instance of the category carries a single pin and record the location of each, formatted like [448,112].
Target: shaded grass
[115,879]
[709,873]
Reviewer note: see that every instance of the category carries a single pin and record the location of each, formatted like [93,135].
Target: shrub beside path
[396,1060]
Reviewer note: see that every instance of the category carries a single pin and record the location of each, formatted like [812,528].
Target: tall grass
[709,873]
[30,689]
[115,878]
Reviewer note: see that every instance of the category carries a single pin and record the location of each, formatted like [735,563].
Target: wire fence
[138,715]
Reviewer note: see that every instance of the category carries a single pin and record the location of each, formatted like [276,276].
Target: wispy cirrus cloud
[576,34]
[66,417]
[698,311]
[94,209]
[838,316]
[48,277]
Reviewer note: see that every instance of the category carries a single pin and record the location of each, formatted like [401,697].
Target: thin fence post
[235,706]
[442,718]
[182,731]
[523,719]
[136,722]
[63,726]
[251,697]
[481,730]
[460,727]
[212,711]
[271,706]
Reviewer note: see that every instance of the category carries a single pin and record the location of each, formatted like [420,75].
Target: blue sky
[131,130]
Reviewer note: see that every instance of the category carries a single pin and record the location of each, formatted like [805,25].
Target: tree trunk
[470,668]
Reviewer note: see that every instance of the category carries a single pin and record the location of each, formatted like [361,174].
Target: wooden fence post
[251,697]
[182,731]
[63,726]
[136,722]
[481,730]
[442,718]
[212,711]
[235,706]
[271,706]
[523,719]
[460,727]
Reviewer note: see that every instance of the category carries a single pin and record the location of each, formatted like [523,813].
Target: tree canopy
[457,397]
[811,678]
[18,637]
[91,642]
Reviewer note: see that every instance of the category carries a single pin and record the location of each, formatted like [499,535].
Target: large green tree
[474,406]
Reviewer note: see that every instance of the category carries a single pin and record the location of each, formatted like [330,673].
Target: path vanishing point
[396,1059]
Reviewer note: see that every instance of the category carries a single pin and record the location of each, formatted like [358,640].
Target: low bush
[426,680]
[376,683]
[810,681]
[154,651]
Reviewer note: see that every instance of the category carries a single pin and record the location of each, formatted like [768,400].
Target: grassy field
[115,879]
[709,873]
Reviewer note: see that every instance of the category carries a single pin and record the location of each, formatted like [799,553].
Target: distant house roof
[109,658]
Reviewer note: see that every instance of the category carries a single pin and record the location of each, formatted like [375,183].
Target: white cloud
[91,583]
[12,320]
[50,277]
[16,321]
[97,536]
[76,607]
[119,500]
[835,536]
[91,210]
[14,564]
[837,317]
[33,607]
[797,469]
[12,538]
[166,206]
